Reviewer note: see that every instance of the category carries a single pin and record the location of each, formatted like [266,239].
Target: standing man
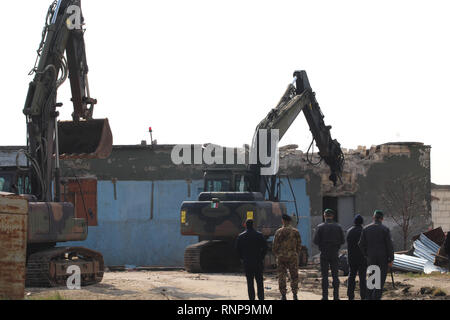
[376,245]
[329,237]
[447,248]
[356,259]
[286,247]
[252,248]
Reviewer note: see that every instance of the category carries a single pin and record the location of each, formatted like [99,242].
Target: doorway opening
[330,203]
[344,207]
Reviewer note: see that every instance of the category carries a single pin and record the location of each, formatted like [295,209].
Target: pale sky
[209,71]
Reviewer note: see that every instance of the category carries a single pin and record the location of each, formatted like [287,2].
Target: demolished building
[132,199]
[372,179]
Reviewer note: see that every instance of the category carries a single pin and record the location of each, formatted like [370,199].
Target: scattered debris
[130,267]
[435,292]
[438,292]
[135,268]
[343,264]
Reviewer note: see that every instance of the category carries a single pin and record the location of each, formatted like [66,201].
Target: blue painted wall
[126,234]
[303,205]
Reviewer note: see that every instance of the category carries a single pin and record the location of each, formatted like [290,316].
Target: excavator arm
[329,148]
[61,55]
[299,97]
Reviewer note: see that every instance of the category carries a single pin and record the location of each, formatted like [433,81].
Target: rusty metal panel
[82,193]
[13,246]
[12,204]
[436,235]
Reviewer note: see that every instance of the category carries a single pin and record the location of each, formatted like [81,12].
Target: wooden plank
[13,246]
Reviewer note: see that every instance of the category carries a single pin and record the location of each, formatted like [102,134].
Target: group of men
[367,246]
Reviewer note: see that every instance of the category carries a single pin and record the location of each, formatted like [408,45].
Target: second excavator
[231,196]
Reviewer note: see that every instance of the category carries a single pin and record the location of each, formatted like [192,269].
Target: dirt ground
[180,285]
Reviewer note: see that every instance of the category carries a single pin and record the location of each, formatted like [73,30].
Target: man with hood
[356,260]
[376,244]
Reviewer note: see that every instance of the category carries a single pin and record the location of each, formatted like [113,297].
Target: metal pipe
[57,164]
[55,14]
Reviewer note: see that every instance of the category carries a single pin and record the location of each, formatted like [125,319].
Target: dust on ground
[180,285]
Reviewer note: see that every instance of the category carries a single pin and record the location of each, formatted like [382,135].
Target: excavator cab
[228,180]
[90,139]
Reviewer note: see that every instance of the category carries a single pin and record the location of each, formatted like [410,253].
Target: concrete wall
[440,205]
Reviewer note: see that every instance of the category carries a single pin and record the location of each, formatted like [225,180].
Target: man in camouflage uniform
[287,247]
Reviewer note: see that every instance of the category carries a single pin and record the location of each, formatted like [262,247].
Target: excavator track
[49,268]
[211,256]
[219,256]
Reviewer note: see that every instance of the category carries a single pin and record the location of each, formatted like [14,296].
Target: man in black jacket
[329,237]
[376,245]
[252,248]
[356,260]
[447,248]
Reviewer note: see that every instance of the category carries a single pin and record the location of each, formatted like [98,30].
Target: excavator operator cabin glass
[218,185]
[242,184]
[5,184]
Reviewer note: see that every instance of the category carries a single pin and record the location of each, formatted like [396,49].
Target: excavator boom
[61,55]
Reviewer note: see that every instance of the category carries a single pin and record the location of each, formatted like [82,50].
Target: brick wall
[440,207]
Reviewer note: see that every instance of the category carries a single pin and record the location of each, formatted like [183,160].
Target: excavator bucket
[90,139]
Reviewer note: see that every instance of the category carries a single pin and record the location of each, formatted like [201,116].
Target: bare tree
[404,202]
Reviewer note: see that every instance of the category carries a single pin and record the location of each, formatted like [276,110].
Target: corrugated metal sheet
[408,263]
[425,251]
[13,245]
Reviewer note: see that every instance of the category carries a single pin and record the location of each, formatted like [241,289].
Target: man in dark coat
[252,248]
[356,260]
[329,237]
[447,248]
[376,245]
